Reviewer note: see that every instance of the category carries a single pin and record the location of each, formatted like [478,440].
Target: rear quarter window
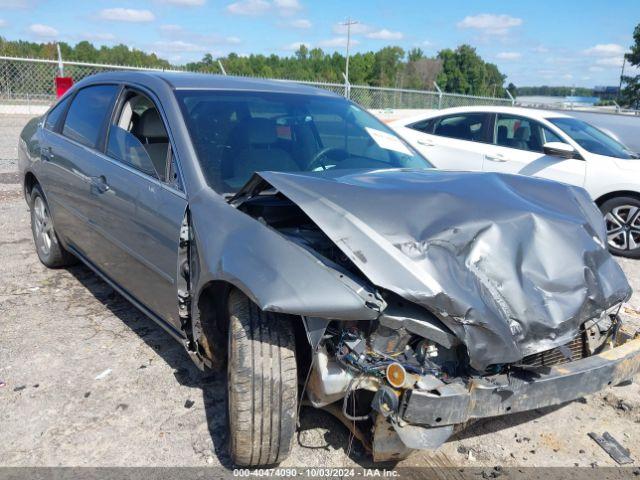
[54,116]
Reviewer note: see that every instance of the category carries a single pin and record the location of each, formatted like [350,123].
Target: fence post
[513,100]
[439,95]
[60,64]
[347,86]
[224,72]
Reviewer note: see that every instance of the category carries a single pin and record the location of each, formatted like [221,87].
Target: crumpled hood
[512,265]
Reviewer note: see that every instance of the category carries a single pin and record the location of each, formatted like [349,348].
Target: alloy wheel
[623,227]
[43,226]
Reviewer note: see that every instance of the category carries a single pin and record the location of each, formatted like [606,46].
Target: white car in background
[542,144]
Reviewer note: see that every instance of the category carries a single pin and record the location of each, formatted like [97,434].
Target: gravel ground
[89,381]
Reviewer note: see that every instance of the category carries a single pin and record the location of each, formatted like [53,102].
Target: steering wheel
[317,158]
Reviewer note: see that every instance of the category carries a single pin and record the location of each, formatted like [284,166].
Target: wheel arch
[211,320]
[29,182]
[618,193]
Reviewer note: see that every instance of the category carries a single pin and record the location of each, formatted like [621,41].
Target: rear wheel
[622,220]
[48,248]
[262,384]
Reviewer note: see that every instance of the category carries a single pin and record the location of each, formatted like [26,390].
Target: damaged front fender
[275,273]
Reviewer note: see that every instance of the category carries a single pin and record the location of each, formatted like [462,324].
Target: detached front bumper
[504,394]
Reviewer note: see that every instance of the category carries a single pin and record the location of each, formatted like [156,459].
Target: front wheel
[622,220]
[262,384]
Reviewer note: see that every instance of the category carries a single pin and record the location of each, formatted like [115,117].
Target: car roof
[524,112]
[206,81]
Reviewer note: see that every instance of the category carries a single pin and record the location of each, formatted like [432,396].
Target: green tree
[464,71]
[631,91]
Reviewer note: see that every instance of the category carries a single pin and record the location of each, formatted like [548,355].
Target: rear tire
[622,220]
[50,252]
[262,384]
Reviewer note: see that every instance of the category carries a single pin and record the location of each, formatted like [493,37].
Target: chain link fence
[27,86]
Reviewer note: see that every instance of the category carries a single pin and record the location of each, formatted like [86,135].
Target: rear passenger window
[54,116]
[468,126]
[87,114]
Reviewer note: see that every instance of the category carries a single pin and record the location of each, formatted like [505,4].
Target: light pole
[348,24]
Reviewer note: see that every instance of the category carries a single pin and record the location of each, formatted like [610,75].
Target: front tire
[262,384]
[50,252]
[622,220]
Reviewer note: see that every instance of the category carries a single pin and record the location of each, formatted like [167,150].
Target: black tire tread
[262,376]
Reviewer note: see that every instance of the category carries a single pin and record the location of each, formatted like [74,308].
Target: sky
[542,42]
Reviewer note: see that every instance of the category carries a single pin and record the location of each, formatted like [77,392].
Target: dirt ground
[89,381]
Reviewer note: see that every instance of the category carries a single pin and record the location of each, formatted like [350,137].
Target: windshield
[238,133]
[592,139]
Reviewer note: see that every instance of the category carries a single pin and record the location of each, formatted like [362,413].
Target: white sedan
[539,143]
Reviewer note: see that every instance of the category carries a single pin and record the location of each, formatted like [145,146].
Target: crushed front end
[404,382]
[487,294]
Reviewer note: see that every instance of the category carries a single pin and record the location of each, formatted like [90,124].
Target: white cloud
[301,23]
[185,3]
[540,49]
[295,46]
[509,55]
[356,28]
[427,43]
[287,7]
[385,34]
[3,23]
[249,7]
[44,31]
[99,37]
[610,62]
[175,46]
[567,76]
[337,42]
[490,24]
[595,69]
[232,40]
[127,15]
[605,50]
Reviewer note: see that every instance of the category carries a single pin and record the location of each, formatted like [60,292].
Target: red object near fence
[62,85]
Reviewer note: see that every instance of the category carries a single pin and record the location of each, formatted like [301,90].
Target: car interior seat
[259,151]
[521,137]
[503,135]
[151,132]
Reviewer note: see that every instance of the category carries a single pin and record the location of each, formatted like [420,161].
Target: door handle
[47,153]
[99,184]
[426,143]
[495,158]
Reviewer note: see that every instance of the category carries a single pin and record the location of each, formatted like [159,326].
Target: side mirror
[559,149]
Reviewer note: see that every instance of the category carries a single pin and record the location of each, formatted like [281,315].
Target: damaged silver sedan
[283,233]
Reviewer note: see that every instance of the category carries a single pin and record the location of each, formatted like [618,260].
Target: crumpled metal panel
[273,272]
[513,265]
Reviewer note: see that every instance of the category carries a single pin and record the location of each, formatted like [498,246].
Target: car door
[451,142]
[517,147]
[142,205]
[70,151]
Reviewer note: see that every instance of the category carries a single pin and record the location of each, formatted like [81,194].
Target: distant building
[606,93]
